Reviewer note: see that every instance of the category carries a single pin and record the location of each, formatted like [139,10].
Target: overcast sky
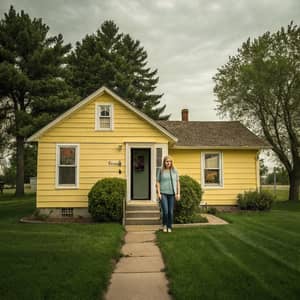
[186,40]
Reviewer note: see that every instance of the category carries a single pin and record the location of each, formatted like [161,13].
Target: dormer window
[104,117]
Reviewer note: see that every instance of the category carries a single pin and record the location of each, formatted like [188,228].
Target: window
[212,169]
[104,117]
[159,158]
[67,165]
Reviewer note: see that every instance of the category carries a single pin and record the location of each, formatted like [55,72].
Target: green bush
[212,210]
[188,205]
[106,199]
[254,200]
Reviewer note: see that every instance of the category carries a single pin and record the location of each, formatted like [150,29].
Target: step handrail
[124,212]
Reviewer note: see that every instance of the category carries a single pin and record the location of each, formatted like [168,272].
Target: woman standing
[168,189]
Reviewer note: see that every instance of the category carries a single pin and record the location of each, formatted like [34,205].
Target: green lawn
[281,192]
[53,261]
[257,256]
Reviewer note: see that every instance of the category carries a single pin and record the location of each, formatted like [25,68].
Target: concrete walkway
[139,275]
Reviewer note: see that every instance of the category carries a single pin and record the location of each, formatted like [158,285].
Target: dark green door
[140,173]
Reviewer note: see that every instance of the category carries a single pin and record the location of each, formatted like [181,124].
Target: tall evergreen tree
[117,61]
[32,88]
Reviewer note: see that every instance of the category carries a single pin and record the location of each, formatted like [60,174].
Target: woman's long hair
[168,157]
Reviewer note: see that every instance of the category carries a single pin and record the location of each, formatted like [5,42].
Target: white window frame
[97,116]
[77,150]
[164,148]
[221,168]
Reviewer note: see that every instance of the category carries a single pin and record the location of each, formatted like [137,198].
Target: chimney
[185,115]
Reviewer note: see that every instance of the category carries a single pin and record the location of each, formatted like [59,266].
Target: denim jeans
[167,205]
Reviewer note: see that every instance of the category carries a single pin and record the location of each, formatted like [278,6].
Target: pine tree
[32,88]
[117,61]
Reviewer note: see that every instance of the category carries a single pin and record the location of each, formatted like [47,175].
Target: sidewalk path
[139,275]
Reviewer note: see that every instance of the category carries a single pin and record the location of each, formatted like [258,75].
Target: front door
[140,174]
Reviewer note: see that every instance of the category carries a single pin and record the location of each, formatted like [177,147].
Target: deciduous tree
[260,86]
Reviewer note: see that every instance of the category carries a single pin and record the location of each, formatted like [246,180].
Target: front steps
[142,212]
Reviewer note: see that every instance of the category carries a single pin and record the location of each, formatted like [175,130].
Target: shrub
[212,210]
[254,200]
[188,205]
[197,218]
[106,198]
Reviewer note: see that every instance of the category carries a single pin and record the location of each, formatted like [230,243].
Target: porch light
[120,147]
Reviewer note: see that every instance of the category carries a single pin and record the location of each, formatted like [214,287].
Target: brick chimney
[185,115]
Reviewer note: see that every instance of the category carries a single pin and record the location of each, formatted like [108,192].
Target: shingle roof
[213,134]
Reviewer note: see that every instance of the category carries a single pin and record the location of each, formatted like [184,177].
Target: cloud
[186,40]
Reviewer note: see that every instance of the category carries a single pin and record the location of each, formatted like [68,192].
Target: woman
[168,189]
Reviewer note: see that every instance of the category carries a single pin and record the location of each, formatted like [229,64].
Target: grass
[257,256]
[53,261]
[281,192]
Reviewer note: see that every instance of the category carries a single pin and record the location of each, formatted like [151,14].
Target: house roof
[219,134]
[97,93]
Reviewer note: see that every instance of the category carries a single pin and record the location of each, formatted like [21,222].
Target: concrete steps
[142,212]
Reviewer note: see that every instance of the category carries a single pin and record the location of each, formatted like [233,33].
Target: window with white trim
[159,157]
[212,169]
[161,150]
[104,117]
[67,166]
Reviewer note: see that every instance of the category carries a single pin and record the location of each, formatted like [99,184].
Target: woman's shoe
[165,229]
[169,230]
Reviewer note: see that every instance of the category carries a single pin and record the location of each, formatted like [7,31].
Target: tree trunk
[294,185]
[20,166]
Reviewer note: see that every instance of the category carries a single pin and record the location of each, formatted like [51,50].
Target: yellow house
[104,136]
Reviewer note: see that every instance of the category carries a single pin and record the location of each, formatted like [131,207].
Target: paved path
[139,275]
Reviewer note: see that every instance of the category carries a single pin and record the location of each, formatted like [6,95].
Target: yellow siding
[239,173]
[80,126]
[96,149]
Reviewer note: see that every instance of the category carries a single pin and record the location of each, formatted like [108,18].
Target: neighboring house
[104,136]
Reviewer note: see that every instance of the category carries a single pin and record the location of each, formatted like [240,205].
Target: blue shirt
[164,178]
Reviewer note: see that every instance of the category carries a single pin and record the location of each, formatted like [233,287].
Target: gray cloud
[186,40]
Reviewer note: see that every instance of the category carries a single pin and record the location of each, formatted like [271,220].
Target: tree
[117,61]
[30,162]
[32,86]
[281,176]
[260,86]
[263,170]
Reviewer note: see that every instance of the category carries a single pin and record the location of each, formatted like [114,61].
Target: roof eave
[223,147]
